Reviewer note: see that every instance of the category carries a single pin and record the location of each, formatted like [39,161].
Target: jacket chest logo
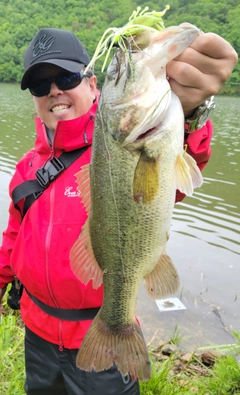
[70,192]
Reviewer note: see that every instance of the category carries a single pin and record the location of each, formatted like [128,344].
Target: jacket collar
[69,135]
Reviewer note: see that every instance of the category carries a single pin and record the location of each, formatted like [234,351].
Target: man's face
[63,105]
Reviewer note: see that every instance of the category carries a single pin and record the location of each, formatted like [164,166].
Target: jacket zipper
[61,346]
[47,249]
[47,244]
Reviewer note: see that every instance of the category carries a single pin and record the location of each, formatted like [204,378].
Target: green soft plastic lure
[138,22]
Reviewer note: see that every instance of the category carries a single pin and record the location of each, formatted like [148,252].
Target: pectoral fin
[146,178]
[163,280]
[188,175]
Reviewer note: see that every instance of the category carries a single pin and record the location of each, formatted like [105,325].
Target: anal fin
[163,280]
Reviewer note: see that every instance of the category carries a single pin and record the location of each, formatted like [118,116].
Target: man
[56,308]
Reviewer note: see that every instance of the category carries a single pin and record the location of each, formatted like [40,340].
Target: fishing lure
[138,22]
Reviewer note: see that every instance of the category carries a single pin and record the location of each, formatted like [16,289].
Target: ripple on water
[219,227]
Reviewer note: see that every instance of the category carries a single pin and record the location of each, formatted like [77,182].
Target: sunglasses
[64,82]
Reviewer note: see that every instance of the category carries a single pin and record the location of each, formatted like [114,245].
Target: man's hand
[201,69]
[2,292]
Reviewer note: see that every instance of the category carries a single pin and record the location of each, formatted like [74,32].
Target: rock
[161,343]
[168,349]
[159,347]
[208,358]
[186,357]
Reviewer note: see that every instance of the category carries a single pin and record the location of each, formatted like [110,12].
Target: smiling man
[56,307]
[64,95]
[54,64]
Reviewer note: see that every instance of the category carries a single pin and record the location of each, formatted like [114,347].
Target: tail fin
[102,347]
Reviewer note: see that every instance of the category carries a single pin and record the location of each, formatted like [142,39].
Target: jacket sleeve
[198,146]
[8,238]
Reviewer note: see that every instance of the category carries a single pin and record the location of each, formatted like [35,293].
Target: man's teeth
[60,108]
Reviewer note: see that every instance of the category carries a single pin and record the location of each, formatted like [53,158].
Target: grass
[222,379]
[167,379]
[12,374]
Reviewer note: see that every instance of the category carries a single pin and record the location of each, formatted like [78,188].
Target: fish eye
[113,69]
[113,66]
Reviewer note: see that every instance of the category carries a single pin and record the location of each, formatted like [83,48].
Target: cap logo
[42,46]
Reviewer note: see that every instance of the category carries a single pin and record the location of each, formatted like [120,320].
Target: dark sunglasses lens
[63,82]
[68,82]
[40,89]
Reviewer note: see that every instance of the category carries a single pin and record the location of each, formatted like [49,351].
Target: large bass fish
[138,162]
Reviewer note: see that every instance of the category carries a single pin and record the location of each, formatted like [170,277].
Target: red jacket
[37,250]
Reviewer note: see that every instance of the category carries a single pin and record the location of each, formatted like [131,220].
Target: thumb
[187,24]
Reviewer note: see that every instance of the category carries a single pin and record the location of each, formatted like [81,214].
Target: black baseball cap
[55,46]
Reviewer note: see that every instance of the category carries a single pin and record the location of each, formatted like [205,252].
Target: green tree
[21,19]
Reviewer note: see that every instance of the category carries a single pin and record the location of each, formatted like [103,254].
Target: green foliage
[12,371]
[223,380]
[21,19]
[161,381]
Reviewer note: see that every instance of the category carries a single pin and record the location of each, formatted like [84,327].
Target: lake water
[205,234]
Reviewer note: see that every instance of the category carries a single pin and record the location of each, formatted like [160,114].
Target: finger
[212,55]
[202,62]
[191,25]
[212,45]
[189,76]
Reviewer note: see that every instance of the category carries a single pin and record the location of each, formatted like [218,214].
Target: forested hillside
[20,20]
